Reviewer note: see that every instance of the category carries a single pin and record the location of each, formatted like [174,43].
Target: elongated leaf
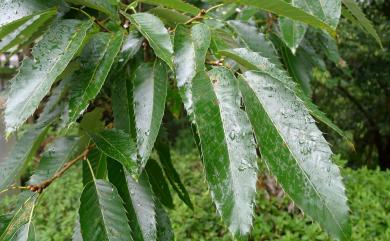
[178,5]
[5,219]
[191,46]
[15,13]
[96,61]
[21,218]
[150,91]
[109,7]
[296,152]
[283,8]
[25,233]
[162,148]
[122,103]
[253,61]
[159,184]
[364,23]
[22,34]
[227,146]
[102,215]
[22,152]
[157,35]
[35,78]
[255,40]
[98,162]
[164,228]
[117,145]
[170,17]
[61,151]
[139,203]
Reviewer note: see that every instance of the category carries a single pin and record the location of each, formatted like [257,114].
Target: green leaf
[5,219]
[171,18]
[296,152]
[96,60]
[15,13]
[117,145]
[25,233]
[157,35]
[51,56]
[102,215]
[159,184]
[122,102]
[109,7]
[22,217]
[255,40]
[227,147]
[139,203]
[162,148]
[22,152]
[98,162]
[175,4]
[283,8]
[253,61]
[23,33]
[164,228]
[131,44]
[364,23]
[150,91]
[292,32]
[191,47]
[61,151]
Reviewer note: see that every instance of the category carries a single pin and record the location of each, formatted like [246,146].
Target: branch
[41,186]
[199,16]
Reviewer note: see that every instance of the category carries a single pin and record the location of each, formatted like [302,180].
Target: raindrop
[232,135]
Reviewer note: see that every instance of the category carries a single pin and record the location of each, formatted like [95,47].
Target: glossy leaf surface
[178,5]
[37,75]
[191,46]
[227,146]
[108,7]
[117,145]
[296,152]
[96,61]
[102,215]
[150,91]
[157,35]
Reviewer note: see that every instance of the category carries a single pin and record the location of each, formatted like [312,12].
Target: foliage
[104,98]
[55,215]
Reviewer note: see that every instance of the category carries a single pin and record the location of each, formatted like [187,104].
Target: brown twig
[41,186]
[218,62]
[199,16]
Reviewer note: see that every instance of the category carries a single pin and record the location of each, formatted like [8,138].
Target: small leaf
[170,18]
[283,8]
[23,33]
[51,56]
[96,61]
[364,23]
[191,47]
[178,5]
[117,145]
[131,44]
[227,147]
[162,148]
[157,35]
[159,184]
[102,215]
[296,152]
[98,162]
[292,32]
[150,91]
[139,203]
[61,151]
[109,7]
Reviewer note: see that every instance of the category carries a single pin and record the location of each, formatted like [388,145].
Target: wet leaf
[178,5]
[96,61]
[51,56]
[109,7]
[150,91]
[227,147]
[296,152]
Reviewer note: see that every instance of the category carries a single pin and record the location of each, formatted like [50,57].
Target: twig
[41,186]
[218,62]
[200,15]
[89,16]
[13,188]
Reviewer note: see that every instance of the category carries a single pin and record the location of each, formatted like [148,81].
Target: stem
[200,15]
[41,186]
[94,20]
